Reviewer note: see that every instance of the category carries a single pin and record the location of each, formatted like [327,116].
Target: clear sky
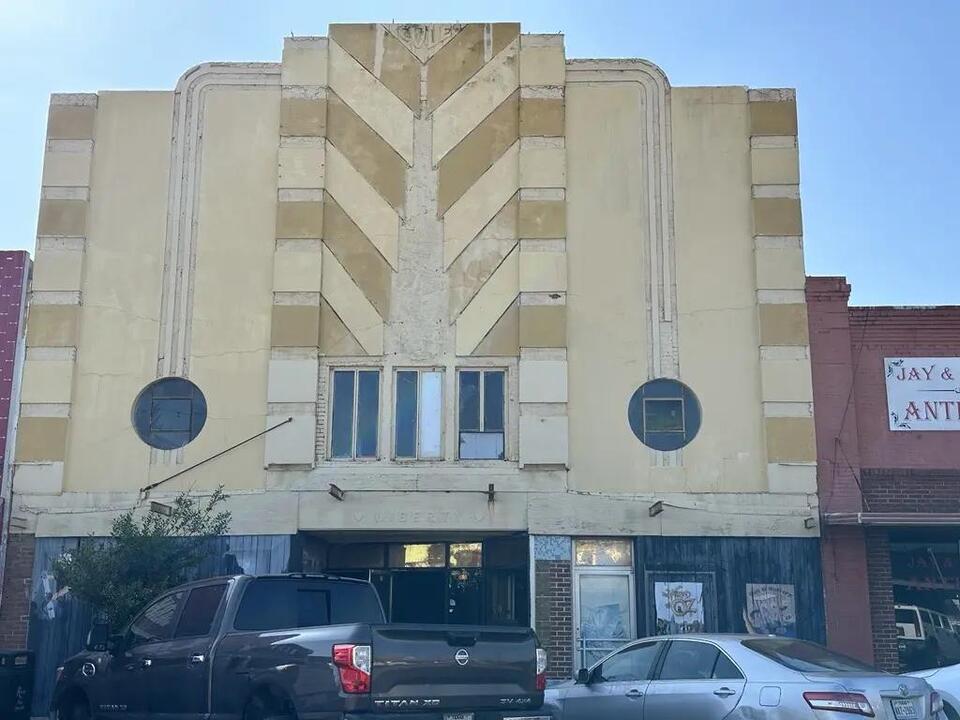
[876,83]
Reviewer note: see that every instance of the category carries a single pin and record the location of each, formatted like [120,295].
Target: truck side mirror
[98,638]
[583,676]
[117,644]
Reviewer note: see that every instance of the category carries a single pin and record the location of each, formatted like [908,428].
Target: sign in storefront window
[923,393]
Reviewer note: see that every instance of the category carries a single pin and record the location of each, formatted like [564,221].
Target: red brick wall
[846,591]
[885,654]
[895,490]
[15,607]
[13,270]
[554,614]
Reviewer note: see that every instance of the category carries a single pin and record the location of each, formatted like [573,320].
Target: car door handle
[724,692]
[198,659]
[634,694]
[140,664]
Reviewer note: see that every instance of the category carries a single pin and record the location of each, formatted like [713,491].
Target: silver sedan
[738,677]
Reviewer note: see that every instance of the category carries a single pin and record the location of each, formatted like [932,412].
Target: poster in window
[771,610]
[679,607]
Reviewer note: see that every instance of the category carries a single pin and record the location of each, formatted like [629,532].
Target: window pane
[341,445]
[170,415]
[725,669]
[200,610]
[368,412]
[662,415]
[418,555]
[687,660]
[156,622]
[406,430]
[630,665]
[466,555]
[604,552]
[481,446]
[493,401]
[469,400]
[313,607]
[431,414]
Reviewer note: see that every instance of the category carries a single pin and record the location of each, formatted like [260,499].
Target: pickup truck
[297,647]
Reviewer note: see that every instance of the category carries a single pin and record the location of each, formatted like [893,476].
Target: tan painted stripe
[777,216]
[455,63]
[335,338]
[349,302]
[474,100]
[477,152]
[365,265]
[71,122]
[398,69]
[790,439]
[542,219]
[784,324]
[303,117]
[543,326]
[488,304]
[503,340]
[773,118]
[373,158]
[400,72]
[53,325]
[387,114]
[358,39]
[62,217]
[295,326]
[502,34]
[542,117]
[471,270]
[41,439]
[299,219]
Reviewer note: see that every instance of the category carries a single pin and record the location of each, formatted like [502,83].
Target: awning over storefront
[893,519]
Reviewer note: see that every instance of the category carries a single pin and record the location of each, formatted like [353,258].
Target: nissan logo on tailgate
[462,657]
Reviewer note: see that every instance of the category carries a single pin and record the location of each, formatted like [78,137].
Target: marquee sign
[923,393]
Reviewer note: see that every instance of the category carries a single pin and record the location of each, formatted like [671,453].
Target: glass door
[605,612]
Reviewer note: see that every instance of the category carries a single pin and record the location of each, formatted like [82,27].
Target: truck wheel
[951,713]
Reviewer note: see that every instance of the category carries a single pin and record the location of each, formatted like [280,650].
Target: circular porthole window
[664,414]
[169,412]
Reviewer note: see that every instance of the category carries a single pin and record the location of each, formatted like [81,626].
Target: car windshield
[806,656]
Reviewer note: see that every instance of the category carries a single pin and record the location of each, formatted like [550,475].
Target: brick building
[886,387]
[14,604]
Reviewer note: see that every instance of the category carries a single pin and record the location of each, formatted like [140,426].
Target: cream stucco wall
[123,267]
[608,271]
[233,286]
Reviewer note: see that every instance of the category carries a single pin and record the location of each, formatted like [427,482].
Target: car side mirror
[583,676]
[117,644]
[98,638]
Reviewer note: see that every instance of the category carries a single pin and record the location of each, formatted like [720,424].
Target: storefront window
[604,552]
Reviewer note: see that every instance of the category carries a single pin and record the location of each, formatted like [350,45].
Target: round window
[664,414]
[169,412]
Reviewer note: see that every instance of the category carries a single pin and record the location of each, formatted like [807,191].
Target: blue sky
[876,83]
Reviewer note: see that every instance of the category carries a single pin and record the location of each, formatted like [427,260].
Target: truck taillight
[936,703]
[353,663]
[852,703]
[541,669]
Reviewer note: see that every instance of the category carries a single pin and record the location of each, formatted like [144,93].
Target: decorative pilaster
[542,229]
[298,254]
[787,390]
[53,322]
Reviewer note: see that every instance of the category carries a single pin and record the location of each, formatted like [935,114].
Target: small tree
[143,556]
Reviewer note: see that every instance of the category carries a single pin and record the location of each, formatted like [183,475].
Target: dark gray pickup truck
[298,647]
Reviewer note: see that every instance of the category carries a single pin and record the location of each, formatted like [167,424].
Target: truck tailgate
[449,667]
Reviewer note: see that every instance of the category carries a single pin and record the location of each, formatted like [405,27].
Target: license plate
[905,710]
[458,716]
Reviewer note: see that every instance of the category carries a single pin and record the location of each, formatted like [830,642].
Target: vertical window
[419,414]
[481,414]
[355,414]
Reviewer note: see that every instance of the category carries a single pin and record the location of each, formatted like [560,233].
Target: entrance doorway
[464,582]
[605,604]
